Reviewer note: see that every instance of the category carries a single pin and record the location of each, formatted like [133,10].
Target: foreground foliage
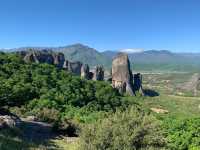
[129,130]
[183,133]
[51,94]
[69,102]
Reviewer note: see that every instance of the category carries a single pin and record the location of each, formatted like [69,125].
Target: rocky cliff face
[98,73]
[85,71]
[51,57]
[75,67]
[137,86]
[44,56]
[59,59]
[122,77]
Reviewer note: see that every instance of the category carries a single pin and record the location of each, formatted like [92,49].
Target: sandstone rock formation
[137,86]
[85,71]
[122,77]
[73,67]
[65,64]
[98,73]
[8,119]
[91,75]
[59,59]
[43,56]
[50,57]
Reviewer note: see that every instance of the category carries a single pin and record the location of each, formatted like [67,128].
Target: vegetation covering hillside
[85,54]
[43,87]
[155,60]
[93,111]
[150,60]
[76,52]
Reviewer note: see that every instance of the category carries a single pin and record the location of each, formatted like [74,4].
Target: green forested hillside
[92,111]
[150,60]
[39,87]
[85,54]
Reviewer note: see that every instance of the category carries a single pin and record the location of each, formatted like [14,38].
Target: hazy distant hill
[150,56]
[159,56]
[163,60]
[80,52]
[75,52]
[151,60]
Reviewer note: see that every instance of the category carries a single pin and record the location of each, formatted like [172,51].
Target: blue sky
[102,24]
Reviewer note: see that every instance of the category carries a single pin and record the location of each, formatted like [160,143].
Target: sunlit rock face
[75,67]
[43,56]
[122,77]
[65,65]
[85,71]
[98,73]
[59,59]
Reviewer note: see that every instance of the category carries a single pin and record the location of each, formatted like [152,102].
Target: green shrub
[127,130]
[53,95]
[183,134]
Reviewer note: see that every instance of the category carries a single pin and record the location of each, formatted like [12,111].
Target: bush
[183,133]
[53,95]
[128,130]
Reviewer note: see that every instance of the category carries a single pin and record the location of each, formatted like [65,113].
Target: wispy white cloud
[134,50]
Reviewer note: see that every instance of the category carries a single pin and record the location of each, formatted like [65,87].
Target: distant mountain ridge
[75,52]
[83,53]
[151,59]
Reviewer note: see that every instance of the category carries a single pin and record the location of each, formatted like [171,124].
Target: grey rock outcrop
[91,75]
[51,57]
[98,73]
[137,86]
[8,121]
[85,71]
[65,64]
[73,67]
[43,56]
[59,59]
[122,77]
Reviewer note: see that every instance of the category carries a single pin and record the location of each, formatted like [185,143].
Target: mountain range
[140,60]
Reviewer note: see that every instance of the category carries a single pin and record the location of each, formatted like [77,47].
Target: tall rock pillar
[98,73]
[122,77]
[138,84]
[85,71]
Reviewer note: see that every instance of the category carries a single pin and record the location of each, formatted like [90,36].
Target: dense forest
[91,110]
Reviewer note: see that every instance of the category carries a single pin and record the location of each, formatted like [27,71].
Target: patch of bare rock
[8,120]
[123,78]
[58,59]
[159,110]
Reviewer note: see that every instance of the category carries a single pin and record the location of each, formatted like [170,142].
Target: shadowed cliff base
[150,93]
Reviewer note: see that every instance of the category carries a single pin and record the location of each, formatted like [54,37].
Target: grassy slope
[166,85]
[178,107]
